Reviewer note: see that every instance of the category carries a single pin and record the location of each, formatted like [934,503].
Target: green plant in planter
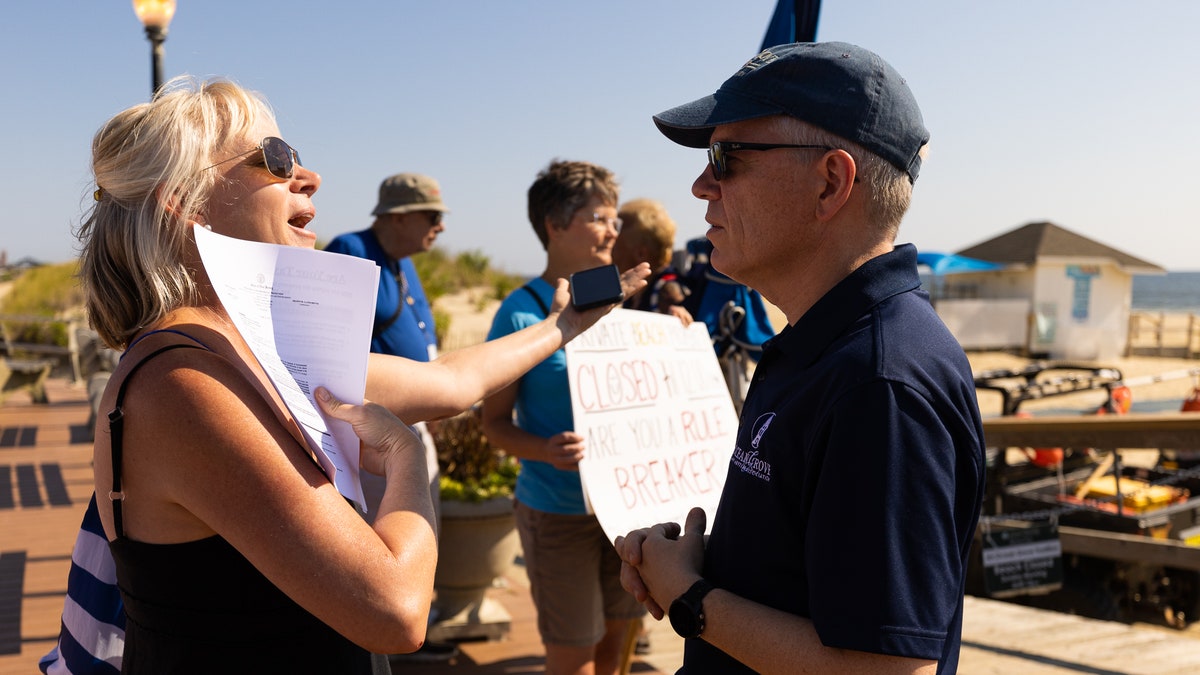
[471,470]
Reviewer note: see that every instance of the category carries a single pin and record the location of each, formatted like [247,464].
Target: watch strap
[697,592]
[693,599]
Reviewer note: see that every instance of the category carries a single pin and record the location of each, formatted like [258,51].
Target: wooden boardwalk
[46,479]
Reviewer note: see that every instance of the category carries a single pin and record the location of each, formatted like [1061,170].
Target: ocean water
[1172,292]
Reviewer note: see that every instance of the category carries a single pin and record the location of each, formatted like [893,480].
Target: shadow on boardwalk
[45,483]
[46,480]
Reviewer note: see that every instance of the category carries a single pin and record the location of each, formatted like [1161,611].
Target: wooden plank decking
[45,483]
[46,479]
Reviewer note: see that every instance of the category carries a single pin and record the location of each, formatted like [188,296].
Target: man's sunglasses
[279,158]
[434,217]
[718,151]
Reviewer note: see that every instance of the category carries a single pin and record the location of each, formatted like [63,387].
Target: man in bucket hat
[842,537]
[408,219]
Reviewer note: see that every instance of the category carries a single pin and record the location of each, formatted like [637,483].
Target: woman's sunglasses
[279,158]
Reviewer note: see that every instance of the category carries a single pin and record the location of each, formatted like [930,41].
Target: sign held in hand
[649,398]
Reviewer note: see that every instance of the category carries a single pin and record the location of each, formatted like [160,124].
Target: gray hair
[889,188]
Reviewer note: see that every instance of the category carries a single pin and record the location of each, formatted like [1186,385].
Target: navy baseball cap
[839,87]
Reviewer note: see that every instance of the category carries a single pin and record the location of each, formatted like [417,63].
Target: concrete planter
[478,543]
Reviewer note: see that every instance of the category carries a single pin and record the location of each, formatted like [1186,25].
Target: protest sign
[659,426]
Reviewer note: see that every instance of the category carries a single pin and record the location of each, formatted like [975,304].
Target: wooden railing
[11,348]
[1134,430]
[1163,334]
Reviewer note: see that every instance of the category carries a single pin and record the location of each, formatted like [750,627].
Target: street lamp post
[155,15]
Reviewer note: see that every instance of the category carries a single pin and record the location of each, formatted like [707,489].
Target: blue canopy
[949,263]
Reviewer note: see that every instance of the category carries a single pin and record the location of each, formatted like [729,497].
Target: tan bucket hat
[407,192]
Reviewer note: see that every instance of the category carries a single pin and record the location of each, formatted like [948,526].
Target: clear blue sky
[1081,112]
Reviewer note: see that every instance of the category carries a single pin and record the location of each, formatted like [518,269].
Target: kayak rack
[1044,379]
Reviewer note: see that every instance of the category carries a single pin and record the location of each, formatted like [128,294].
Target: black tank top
[201,607]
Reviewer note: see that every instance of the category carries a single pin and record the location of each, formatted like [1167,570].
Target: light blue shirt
[543,407]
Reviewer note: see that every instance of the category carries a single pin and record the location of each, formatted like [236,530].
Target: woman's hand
[564,450]
[383,436]
[572,321]
[678,311]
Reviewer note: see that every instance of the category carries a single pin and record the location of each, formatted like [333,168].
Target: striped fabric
[92,637]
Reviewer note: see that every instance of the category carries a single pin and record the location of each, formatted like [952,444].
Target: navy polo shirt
[856,483]
[413,332]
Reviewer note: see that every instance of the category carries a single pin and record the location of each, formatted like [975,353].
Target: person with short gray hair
[583,614]
[842,537]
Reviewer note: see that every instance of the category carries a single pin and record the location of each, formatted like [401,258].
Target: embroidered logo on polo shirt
[749,462]
[760,427]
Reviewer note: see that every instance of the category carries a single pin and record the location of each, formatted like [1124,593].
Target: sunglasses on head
[717,153]
[279,158]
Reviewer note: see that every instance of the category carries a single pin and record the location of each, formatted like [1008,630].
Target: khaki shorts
[574,577]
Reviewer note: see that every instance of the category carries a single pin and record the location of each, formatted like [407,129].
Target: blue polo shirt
[856,483]
[412,334]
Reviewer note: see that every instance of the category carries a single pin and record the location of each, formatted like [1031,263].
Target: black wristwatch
[687,611]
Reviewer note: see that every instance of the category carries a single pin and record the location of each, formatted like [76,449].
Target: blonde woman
[233,550]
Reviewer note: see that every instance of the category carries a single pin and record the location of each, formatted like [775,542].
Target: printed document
[307,316]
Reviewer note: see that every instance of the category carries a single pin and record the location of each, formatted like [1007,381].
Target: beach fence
[1164,334]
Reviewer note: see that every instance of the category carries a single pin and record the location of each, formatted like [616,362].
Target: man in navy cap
[842,536]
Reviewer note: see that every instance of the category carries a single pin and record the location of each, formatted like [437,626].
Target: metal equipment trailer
[1128,536]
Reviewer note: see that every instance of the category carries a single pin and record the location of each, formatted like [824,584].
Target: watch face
[683,619]
[687,611]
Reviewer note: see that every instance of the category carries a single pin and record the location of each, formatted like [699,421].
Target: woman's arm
[563,450]
[457,380]
[208,455]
